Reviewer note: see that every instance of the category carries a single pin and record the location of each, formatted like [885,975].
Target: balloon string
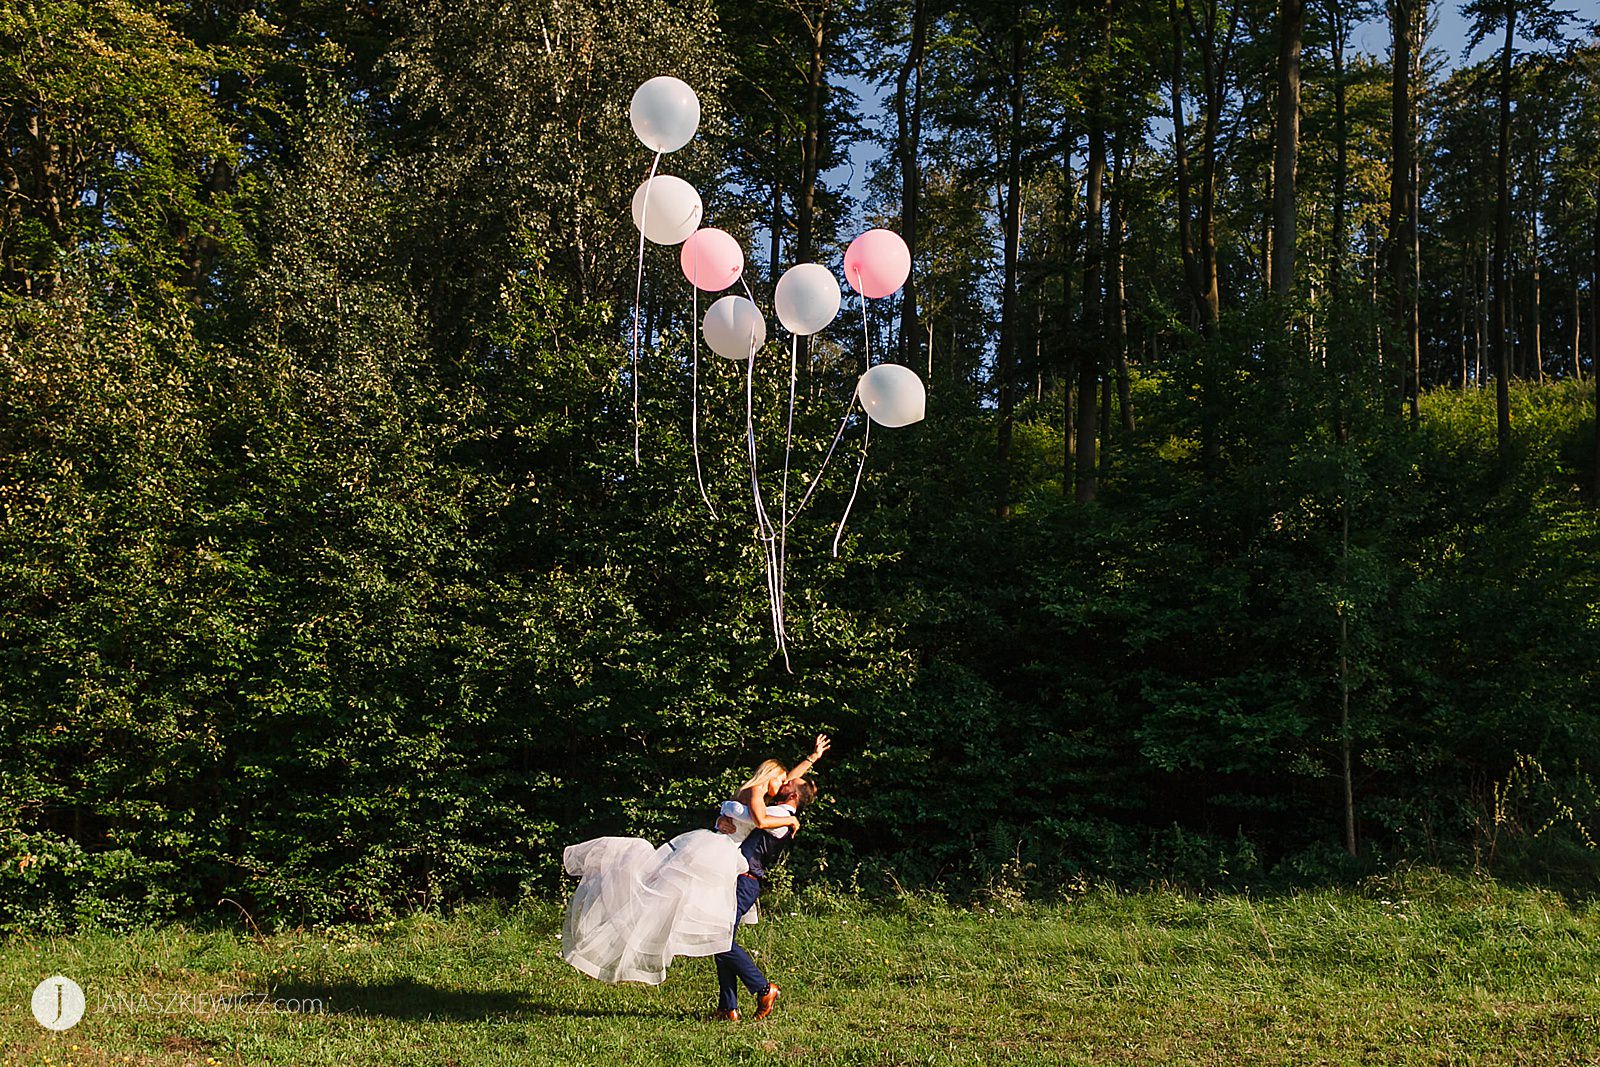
[783,507]
[865,346]
[825,460]
[638,289]
[846,516]
[765,531]
[694,403]
[866,340]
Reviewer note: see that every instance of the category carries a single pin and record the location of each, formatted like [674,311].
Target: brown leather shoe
[765,1001]
[726,1015]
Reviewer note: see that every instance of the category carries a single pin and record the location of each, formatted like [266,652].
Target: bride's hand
[823,744]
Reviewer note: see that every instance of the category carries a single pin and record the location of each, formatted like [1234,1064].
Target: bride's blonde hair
[763,773]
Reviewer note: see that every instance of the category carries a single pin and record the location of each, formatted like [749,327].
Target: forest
[1252,536]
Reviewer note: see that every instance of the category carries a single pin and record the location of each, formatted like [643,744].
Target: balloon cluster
[665,113]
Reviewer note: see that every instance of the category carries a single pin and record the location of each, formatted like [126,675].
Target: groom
[763,850]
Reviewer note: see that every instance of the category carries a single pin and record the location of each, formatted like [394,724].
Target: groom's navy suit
[762,850]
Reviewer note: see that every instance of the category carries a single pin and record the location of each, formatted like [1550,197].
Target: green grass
[1414,969]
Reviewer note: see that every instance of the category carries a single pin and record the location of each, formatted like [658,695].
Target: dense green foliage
[328,584]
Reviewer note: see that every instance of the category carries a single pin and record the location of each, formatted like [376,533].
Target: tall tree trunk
[1519,350]
[1200,251]
[1069,354]
[1577,329]
[1374,271]
[1091,357]
[1106,434]
[810,145]
[1473,303]
[1215,68]
[1594,342]
[1535,312]
[1414,314]
[816,23]
[1006,350]
[1502,242]
[1344,687]
[908,123]
[1191,262]
[1402,22]
[776,248]
[1211,132]
[1291,28]
[1118,295]
[1341,141]
[1483,314]
[1266,227]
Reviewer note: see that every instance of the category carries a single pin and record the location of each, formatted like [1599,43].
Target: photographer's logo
[58,1003]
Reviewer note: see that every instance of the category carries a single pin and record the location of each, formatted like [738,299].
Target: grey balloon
[728,325]
[665,114]
[806,299]
[892,395]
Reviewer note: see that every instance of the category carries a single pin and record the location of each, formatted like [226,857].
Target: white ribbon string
[837,437]
[765,531]
[846,516]
[638,289]
[783,505]
[866,340]
[694,402]
[866,348]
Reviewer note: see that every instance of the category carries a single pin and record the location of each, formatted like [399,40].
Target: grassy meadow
[1413,969]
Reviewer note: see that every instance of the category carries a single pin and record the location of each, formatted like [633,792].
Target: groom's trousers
[735,965]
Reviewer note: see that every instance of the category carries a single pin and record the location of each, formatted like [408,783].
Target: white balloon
[674,213]
[806,299]
[892,395]
[665,113]
[728,324]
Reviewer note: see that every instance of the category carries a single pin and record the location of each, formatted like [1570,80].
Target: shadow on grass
[408,999]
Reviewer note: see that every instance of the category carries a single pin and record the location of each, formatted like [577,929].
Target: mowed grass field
[1414,969]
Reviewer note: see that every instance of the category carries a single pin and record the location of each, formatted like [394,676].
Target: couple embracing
[636,906]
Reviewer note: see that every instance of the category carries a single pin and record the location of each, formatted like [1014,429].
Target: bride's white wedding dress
[638,906]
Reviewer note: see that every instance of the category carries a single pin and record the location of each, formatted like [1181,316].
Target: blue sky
[1449,37]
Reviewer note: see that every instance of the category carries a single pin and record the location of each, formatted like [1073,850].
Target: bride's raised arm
[799,769]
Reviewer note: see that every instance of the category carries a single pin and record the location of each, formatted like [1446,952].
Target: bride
[637,906]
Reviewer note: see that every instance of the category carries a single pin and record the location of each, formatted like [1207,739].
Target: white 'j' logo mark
[58,1003]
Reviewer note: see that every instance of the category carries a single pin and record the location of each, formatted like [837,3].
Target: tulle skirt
[637,906]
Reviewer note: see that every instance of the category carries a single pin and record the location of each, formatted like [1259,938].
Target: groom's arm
[764,819]
[784,831]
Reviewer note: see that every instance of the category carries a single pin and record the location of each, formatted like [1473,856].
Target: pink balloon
[711,259]
[877,263]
